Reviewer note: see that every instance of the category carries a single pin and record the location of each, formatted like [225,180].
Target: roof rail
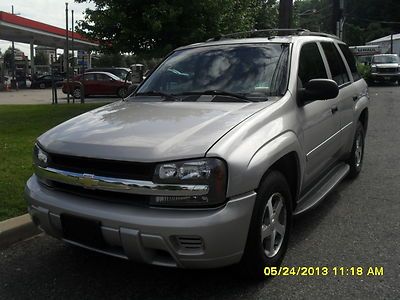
[270,32]
[312,33]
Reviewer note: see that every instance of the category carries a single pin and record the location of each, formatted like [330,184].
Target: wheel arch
[289,166]
[283,154]
[364,118]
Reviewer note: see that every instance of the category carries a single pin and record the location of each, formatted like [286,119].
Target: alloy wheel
[273,225]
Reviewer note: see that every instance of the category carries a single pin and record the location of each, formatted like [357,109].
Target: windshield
[387,59]
[121,73]
[251,70]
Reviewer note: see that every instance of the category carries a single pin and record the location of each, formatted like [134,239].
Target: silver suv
[206,164]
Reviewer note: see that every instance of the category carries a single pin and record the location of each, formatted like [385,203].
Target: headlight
[40,157]
[205,171]
[374,69]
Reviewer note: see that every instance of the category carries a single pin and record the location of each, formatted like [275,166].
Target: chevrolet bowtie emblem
[88,181]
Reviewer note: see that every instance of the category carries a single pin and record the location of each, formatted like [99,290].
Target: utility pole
[72,42]
[391,43]
[335,16]
[72,48]
[66,54]
[13,82]
[285,13]
[336,21]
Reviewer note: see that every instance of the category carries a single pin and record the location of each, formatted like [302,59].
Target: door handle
[334,109]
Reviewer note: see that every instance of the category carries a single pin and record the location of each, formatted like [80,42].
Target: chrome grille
[387,70]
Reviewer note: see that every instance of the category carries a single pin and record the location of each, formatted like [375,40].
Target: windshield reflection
[252,70]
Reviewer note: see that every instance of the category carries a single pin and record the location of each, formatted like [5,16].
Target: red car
[97,83]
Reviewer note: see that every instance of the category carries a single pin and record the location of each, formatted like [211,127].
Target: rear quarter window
[351,61]
[336,64]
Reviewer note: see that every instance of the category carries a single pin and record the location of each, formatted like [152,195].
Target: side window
[351,61]
[311,65]
[88,77]
[103,77]
[336,65]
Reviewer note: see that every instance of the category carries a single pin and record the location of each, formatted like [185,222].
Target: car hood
[147,131]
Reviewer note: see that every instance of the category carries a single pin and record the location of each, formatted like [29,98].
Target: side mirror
[318,89]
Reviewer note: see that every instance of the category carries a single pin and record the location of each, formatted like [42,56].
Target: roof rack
[270,33]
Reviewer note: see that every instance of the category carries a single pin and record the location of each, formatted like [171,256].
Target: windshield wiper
[168,97]
[219,93]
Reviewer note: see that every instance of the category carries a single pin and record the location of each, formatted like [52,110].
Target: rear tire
[76,93]
[357,152]
[270,226]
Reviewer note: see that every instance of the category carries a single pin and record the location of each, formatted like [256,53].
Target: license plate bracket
[82,230]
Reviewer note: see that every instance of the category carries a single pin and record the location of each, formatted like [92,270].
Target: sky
[47,11]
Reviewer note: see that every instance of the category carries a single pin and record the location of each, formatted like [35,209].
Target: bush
[364,70]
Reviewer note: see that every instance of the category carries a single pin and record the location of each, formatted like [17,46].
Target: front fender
[270,153]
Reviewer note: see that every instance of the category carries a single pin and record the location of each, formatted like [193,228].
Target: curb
[16,229]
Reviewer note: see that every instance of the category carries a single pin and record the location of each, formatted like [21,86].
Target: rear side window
[103,77]
[311,65]
[336,65]
[351,61]
[89,77]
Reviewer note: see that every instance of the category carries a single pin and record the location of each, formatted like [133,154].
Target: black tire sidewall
[354,170]
[122,92]
[254,259]
[79,91]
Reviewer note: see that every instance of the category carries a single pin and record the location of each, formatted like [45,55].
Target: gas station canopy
[23,30]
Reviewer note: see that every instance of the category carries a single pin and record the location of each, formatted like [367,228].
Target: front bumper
[385,76]
[150,235]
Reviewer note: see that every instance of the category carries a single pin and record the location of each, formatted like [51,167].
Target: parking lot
[43,96]
[358,225]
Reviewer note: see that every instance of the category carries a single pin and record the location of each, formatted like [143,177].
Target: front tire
[76,93]
[122,92]
[270,226]
[357,152]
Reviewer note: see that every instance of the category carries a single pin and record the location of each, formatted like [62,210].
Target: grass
[20,125]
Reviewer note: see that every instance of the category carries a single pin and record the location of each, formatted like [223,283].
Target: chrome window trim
[129,186]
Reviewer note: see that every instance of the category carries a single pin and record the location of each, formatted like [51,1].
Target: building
[385,43]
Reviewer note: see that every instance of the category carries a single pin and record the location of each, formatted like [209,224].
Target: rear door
[342,109]
[316,118]
[89,82]
[346,108]
[106,85]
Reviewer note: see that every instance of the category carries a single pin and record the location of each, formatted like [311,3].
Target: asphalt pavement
[358,225]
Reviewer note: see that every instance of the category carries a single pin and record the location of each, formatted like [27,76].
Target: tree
[154,28]
[364,20]
[8,56]
[40,59]
[266,15]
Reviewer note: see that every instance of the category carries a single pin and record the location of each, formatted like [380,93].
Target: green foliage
[154,28]
[364,70]
[8,57]
[40,59]
[364,20]
[266,15]
[20,125]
